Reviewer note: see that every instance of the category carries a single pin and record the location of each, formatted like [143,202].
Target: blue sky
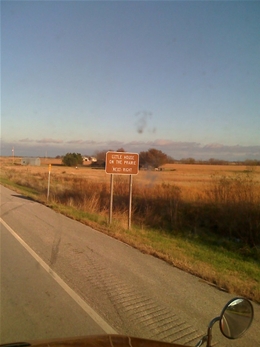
[85,76]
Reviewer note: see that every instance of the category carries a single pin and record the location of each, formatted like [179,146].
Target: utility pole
[13,154]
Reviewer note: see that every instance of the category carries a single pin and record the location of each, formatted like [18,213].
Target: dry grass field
[204,219]
[190,177]
[220,197]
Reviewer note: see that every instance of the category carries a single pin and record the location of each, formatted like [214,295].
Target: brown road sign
[122,163]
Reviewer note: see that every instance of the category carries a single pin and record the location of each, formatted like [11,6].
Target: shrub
[72,159]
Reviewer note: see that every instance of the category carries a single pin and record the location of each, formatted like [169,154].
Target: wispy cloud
[26,140]
[177,150]
[85,142]
[76,142]
[173,144]
[46,141]
[49,141]
[214,145]
[116,144]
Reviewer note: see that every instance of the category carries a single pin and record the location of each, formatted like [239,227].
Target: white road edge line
[94,315]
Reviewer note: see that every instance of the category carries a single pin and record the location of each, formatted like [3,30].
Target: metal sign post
[130,201]
[122,163]
[111,198]
[49,180]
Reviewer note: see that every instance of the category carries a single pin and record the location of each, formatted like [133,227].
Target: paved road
[33,304]
[134,293]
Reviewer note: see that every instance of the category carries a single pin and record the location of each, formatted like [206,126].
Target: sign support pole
[49,180]
[111,197]
[130,201]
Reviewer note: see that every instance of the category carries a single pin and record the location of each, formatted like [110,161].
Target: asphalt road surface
[33,304]
[57,265]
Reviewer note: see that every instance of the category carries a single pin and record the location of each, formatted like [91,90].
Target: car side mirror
[236,317]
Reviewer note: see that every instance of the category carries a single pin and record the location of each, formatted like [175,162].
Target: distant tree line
[213,161]
[153,158]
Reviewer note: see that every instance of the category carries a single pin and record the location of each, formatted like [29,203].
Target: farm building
[31,161]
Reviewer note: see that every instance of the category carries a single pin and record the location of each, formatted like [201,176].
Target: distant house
[91,159]
[31,161]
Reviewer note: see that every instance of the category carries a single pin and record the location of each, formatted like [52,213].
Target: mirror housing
[236,317]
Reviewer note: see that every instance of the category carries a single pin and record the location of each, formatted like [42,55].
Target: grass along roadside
[203,256]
